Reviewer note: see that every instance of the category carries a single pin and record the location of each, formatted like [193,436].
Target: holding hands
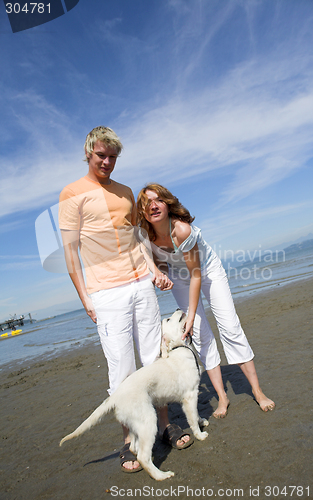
[161,281]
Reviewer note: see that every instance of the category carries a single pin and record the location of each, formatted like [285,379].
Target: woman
[194,267]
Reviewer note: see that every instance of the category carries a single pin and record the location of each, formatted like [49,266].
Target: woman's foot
[249,370]
[221,410]
[265,403]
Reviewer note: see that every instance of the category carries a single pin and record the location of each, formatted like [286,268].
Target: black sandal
[173,433]
[127,456]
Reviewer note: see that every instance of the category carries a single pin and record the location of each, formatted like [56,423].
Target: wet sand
[248,451]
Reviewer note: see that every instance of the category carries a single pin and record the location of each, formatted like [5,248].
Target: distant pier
[12,323]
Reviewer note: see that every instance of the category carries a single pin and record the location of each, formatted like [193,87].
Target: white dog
[172,378]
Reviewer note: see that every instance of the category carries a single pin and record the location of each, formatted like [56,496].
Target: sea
[53,336]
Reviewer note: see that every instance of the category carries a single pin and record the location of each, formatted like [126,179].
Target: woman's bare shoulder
[182,230]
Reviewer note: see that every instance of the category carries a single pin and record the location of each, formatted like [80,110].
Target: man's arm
[74,267]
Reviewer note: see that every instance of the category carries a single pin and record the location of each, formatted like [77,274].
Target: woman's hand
[188,328]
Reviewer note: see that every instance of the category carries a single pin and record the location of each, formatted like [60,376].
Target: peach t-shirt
[105,217]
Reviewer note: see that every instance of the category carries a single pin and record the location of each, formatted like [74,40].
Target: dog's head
[172,332]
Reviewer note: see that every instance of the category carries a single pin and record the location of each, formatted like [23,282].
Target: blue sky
[212,98]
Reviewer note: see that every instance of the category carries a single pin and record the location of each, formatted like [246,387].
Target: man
[97,216]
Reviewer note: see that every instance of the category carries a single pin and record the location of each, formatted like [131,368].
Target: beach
[248,454]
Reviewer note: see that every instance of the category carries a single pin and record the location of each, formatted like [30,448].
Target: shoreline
[45,399]
[85,344]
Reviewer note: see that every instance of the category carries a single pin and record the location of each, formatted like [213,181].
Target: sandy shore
[247,450]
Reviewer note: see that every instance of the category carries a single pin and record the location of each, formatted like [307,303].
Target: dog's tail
[93,419]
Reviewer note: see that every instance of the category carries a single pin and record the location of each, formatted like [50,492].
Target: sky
[212,98]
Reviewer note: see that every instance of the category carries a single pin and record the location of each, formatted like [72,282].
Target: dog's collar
[186,347]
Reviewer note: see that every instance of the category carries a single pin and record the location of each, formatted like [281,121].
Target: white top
[176,259]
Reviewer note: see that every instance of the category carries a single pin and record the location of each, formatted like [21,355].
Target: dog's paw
[164,475]
[202,436]
[203,422]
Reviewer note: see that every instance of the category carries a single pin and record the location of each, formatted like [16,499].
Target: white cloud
[39,164]
[255,117]
[19,262]
[228,223]
[7,301]
[262,137]
[20,266]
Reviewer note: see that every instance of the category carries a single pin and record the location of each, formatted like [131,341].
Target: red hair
[175,208]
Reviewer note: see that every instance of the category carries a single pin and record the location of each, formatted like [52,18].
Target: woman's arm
[159,272]
[192,259]
[193,264]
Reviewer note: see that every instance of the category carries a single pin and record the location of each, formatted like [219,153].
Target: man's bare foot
[183,440]
[176,437]
[131,465]
[128,460]
[265,403]
[221,410]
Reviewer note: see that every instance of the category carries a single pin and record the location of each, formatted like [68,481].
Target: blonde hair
[175,208]
[105,135]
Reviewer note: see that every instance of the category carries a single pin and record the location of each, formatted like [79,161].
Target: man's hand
[162,281]
[90,309]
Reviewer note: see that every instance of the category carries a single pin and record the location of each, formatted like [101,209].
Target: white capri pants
[216,290]
[124,314]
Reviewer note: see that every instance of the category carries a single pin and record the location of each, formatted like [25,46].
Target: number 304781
[27,8]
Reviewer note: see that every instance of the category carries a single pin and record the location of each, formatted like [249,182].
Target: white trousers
[216,290]
[126,314]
